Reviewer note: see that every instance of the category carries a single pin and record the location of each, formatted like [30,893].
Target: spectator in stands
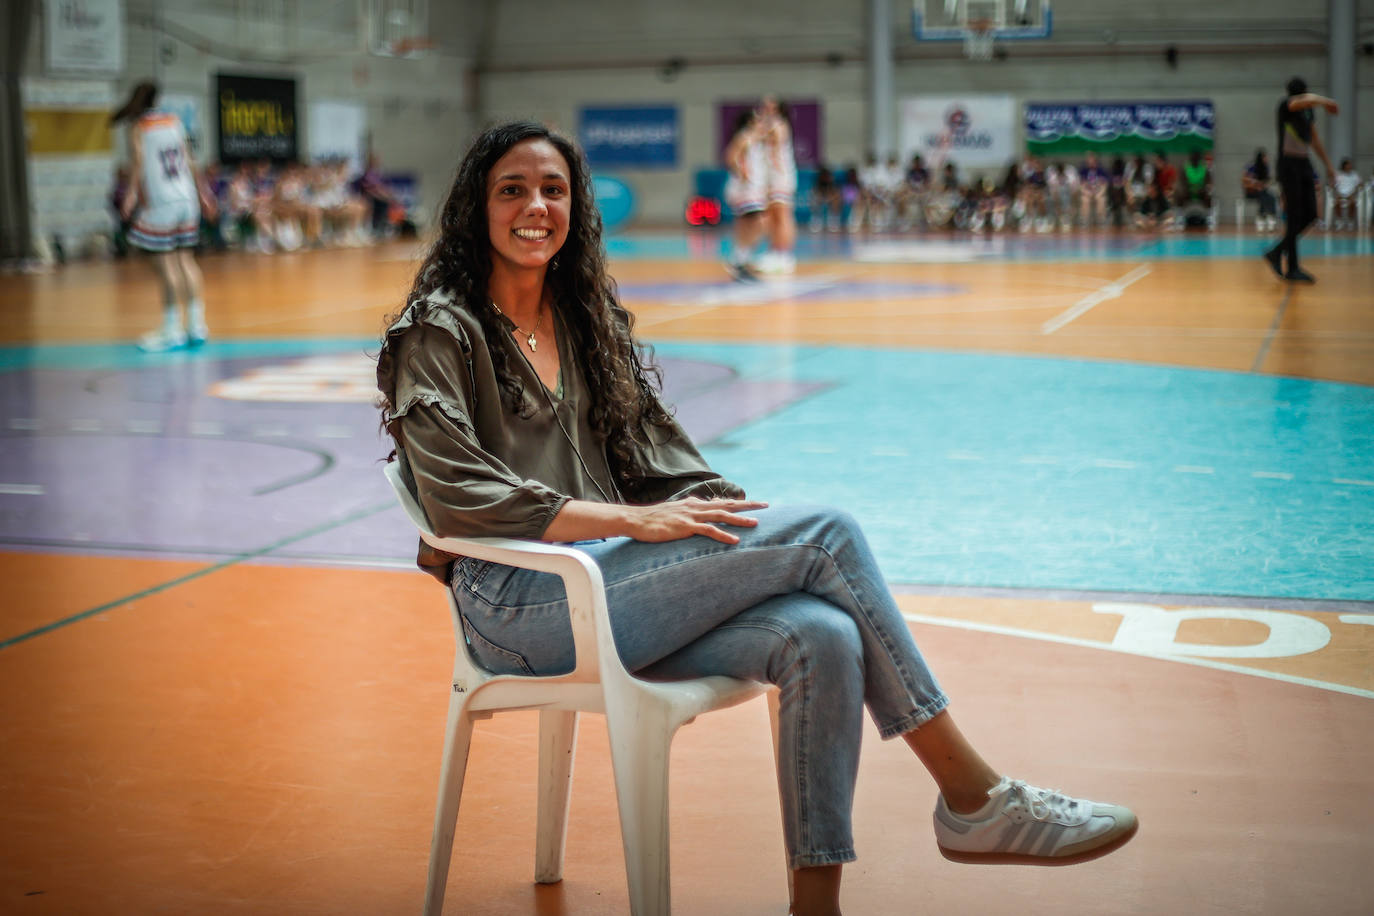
[212,186]
[1196,185]
[249,214]
[1009,192]
[912,192]
[298,220]
[371,186]
[1166,176]
[1061,192]
[877,194]
[827,202]
[851,194]
[121,222]
[1032,205]
[343,211]
[1094,183]
[1154,208]
[1345,185]
[1116,192]
[1139,176]
[1256,184]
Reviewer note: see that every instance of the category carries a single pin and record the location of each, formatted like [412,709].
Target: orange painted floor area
[265,739]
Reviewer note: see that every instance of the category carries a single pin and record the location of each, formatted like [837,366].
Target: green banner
[1060,128]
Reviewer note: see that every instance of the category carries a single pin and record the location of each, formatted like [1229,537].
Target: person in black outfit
[1298,134]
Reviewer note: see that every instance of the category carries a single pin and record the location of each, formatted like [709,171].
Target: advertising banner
[84,35]
[642,137]
[257,118]
[972,131]
[1054,128]
[805,116]
[337,129]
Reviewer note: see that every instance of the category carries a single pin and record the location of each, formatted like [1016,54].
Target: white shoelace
[1041,803]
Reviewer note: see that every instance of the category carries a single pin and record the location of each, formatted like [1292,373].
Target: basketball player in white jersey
[781,185]
[164,200]
[746,193]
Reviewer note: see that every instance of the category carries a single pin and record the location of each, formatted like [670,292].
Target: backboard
[1006,20]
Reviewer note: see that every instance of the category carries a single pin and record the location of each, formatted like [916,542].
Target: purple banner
[806,128]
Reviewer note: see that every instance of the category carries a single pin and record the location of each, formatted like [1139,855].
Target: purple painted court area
[151,462]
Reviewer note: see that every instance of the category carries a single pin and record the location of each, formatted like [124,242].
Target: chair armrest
[593,643]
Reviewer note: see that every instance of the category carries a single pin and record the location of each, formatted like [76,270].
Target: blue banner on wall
[1119,126]
[642,137]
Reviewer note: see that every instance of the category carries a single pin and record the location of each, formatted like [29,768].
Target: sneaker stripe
[1028,842]
[1053,833]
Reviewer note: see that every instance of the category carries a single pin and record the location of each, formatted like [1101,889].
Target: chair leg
[774,708]
[557,746]
[457,740]
[640,734]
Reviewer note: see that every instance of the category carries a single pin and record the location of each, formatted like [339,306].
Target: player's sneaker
[742,273]
[1275,259]
[1298,275]
[1021,823]
[197,333]
[162,340]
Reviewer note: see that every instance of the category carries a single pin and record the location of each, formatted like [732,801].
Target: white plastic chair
[641,718]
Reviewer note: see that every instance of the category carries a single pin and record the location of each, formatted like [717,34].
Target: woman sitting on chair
[521,408]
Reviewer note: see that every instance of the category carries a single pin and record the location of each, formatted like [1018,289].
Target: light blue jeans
[798,602]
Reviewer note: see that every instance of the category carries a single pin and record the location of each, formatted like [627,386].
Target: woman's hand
[683,518]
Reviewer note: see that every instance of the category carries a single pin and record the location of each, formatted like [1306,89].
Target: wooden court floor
[255,736]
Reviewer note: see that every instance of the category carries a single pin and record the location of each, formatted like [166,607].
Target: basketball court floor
[1122,485]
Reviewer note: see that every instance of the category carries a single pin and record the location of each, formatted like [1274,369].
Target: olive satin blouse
[478,469]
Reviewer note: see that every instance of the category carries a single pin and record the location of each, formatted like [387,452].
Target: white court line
[1181,659]
[1272,475]
[1353,483]
[21,489]
[1112,290]
[1193,469]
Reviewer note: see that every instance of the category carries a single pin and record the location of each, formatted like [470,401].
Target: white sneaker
[197,333]
[1021,823]
[162,340]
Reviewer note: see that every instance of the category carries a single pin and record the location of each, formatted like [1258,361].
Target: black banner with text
[257,118]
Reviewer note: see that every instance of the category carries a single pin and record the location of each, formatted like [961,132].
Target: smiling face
[529,205]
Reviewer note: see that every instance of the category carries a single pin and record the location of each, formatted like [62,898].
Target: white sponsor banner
[337,129]
[972,131]
[85,35]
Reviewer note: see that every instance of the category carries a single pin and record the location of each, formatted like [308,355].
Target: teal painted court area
[1006,247]
[966,469]
[1020,472]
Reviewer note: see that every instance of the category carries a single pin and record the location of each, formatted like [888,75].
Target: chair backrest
[403,495]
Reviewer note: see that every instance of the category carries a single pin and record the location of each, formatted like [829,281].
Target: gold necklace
[538,318]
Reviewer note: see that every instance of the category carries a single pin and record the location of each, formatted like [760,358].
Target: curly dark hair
[617,369]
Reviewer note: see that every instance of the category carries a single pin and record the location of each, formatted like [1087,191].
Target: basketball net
[978,39]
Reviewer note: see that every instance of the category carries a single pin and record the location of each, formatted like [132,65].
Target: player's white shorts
[166,226]
[745,197]
[782,187]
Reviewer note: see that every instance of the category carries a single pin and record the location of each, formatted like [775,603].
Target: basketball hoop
[405,48]
[979,39]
